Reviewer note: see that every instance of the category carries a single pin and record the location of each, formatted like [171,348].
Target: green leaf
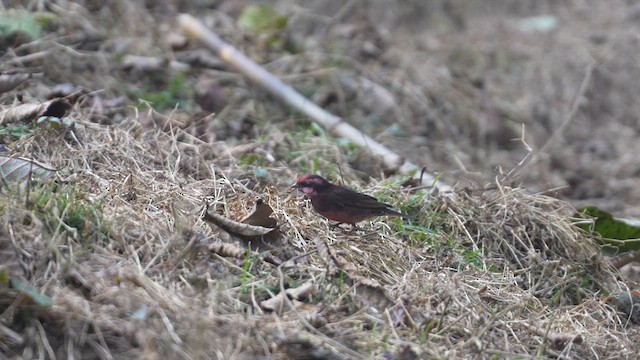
[622,234]
[14,22]
[260,172]
[26,289]
[261,19]
[15,130]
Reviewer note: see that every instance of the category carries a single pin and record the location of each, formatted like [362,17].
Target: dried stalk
[392,161]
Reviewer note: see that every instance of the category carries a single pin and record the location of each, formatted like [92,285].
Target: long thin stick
[195,29]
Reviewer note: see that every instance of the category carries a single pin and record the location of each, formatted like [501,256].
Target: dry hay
[117,241]
[503,272]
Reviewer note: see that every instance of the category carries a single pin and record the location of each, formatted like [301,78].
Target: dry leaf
[302,292]
[18,169]
[278,303]
[227,250]
[234,227]
[25,113]
[261,215]
[257,230]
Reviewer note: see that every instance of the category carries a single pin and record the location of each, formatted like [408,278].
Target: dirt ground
[537,95]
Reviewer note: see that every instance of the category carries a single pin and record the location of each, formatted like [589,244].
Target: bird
[341,204]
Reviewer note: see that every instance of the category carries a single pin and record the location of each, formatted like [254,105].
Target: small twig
[555,337]
[21,60]
[619,263]
[43,340]
[571,115]
[346,7]
[524,159]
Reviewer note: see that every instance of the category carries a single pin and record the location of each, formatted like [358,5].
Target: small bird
[341,204]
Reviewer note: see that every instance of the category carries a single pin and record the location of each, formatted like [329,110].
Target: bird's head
[312,184]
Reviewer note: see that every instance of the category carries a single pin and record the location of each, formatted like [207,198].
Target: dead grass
[117,240]
[500,273]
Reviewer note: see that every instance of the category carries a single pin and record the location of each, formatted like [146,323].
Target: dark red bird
[339,203]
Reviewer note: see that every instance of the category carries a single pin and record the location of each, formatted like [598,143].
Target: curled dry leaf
[227,250]
[324,252]
[302,292]
[257,230]
[234,227]
[18,169]
[557,339]
[278,303]
[25,113]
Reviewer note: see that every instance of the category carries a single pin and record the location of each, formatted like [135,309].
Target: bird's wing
[347,198]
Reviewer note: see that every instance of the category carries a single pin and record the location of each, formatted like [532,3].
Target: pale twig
[571,115]
[290,96]
[554,337]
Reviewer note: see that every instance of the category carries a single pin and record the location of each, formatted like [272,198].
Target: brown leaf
[227,250]
[260,216]
[236,228]
[18,169]
[302,292]
[277,304]
[25,113]
[258,230]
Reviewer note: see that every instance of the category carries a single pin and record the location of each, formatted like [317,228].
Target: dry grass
[503,272]
[117,241]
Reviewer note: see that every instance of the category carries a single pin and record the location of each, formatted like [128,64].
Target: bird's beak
[297,188]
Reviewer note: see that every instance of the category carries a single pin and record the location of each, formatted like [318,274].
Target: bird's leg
[336,225]
[354,227]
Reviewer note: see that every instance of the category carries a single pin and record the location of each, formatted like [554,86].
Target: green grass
[15,130]
[167,95]
[65,210]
